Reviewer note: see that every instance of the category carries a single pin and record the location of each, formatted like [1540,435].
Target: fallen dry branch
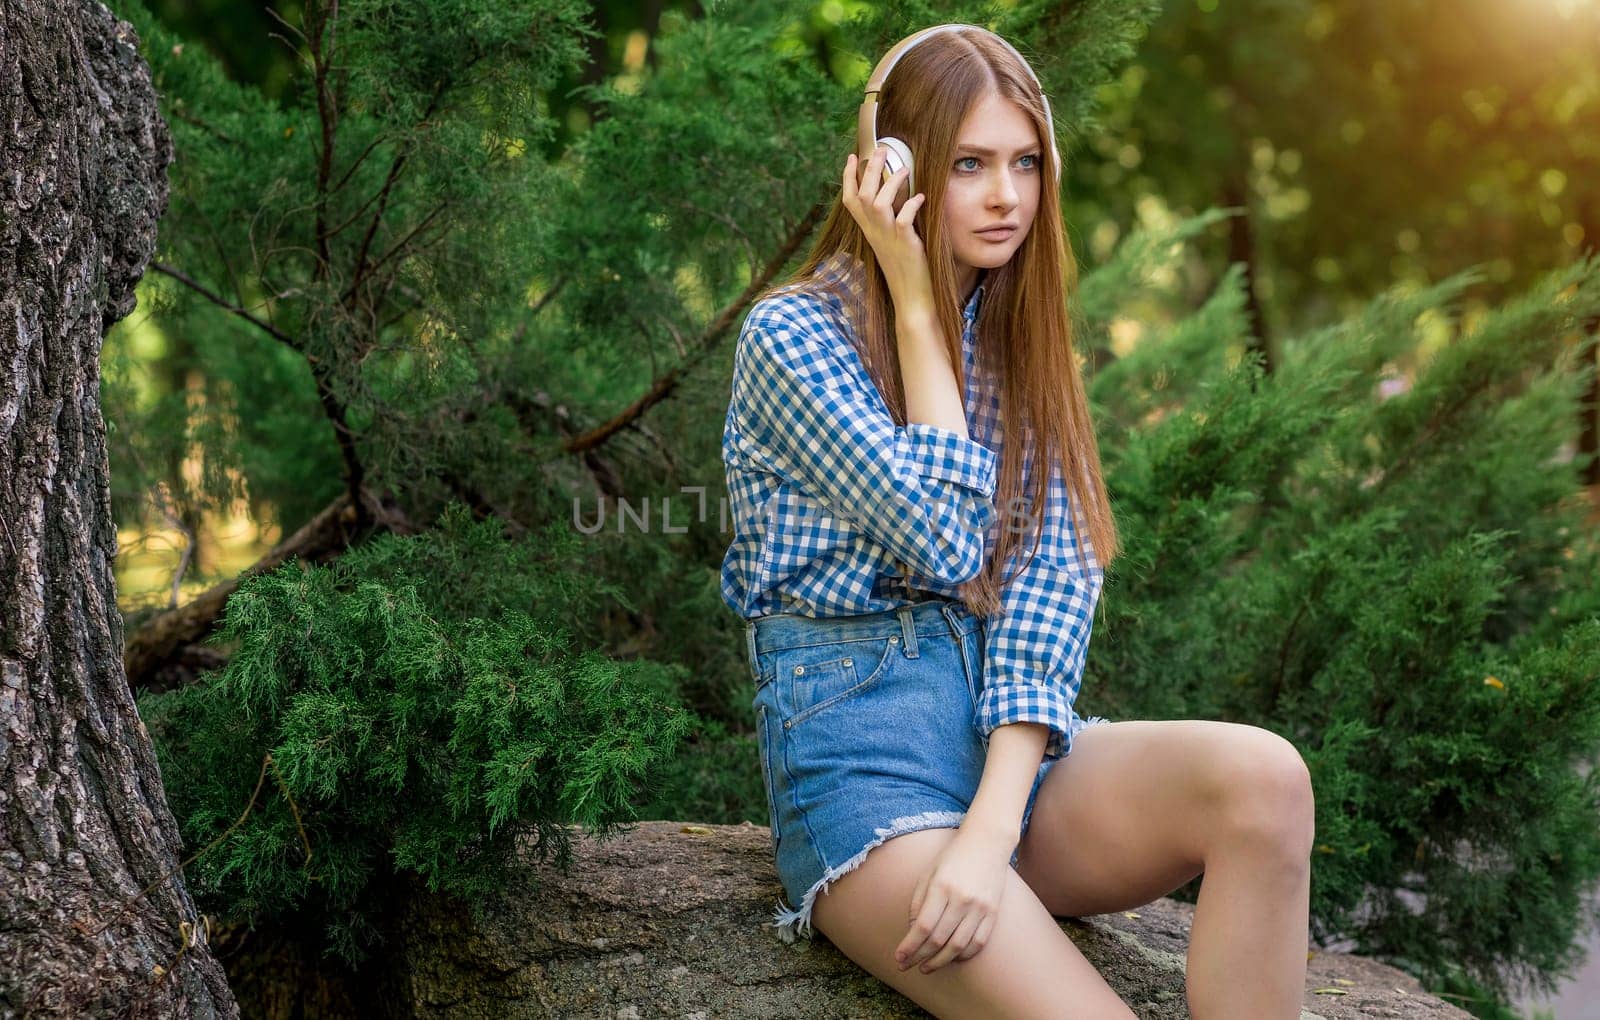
[330,532]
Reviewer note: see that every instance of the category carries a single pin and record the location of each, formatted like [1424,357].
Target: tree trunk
[84,823]
[1242,249]
[1589,410]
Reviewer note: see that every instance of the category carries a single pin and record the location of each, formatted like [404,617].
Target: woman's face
[994,178]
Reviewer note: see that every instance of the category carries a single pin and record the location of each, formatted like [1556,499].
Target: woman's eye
[973,159]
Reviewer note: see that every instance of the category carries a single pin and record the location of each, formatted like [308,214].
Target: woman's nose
[1004,192]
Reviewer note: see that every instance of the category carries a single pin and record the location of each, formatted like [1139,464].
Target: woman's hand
[892,236]
[954,906]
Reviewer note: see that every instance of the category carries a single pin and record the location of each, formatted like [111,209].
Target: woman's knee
[1266,793]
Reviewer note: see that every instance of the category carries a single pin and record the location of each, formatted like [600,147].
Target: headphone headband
[867,118]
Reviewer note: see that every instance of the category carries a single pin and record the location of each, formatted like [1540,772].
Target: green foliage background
[1357,521]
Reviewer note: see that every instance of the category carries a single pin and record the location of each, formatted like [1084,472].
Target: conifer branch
[384,192]
[182,114]
[333,232]
[327,116]
[280,20]
[331,405]
[538,306]
[663,386]
[323,18]
[396,247]
[356,163]
[221,302]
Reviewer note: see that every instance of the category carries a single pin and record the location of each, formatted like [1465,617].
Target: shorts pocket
[764,752]
[817,679]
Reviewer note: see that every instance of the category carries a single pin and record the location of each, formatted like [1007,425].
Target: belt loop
[908,630]
[750,649]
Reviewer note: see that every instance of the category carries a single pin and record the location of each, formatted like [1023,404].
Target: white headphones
[899,153]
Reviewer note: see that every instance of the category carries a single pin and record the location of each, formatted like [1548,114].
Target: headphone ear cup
[897,156]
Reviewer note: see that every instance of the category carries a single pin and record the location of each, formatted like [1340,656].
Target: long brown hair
[1024,324]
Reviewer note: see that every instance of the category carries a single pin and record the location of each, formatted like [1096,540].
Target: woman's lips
[997,235]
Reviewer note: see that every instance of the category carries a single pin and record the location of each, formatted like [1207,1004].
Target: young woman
[917,630]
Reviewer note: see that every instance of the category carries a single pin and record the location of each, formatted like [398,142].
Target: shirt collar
[970,312]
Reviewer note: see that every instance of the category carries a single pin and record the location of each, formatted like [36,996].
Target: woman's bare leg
[1028,970]
[1138,808]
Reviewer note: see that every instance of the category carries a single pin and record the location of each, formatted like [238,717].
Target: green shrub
[1399,580]
[426,702]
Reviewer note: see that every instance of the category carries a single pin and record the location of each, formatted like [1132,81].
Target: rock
[672,920]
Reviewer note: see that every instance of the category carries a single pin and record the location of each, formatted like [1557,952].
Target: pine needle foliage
[1397,578]
[431,710]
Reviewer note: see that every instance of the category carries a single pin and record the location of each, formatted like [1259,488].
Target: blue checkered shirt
[836,509]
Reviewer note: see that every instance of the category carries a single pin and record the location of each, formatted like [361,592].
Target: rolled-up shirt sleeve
[923,492]
[1038,640]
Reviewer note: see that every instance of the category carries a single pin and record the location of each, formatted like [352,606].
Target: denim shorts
[866,727]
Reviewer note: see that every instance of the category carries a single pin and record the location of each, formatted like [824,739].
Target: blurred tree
[1365,143]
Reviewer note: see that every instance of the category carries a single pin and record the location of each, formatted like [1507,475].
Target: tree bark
[84,823]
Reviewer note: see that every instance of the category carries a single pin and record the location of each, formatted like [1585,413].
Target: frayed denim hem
[792,922]
[798,922]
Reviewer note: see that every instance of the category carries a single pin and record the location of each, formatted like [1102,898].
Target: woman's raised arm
[922,491]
